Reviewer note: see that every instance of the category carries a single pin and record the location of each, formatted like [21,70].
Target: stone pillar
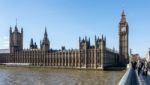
[72,59]
[28,57]
[61,56]
[95,58]
[69,58]
[47,59]
[33,59]
[75,58]
[65,59]
[37,57]
[59,59]
[85,53]
[55,59]
[79,59]
[17,57]
[52,59]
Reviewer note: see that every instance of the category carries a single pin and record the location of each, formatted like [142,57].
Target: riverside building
[88,56]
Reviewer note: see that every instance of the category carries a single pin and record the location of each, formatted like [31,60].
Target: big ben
[123,40]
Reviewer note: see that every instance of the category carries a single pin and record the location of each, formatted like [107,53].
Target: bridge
[131,77]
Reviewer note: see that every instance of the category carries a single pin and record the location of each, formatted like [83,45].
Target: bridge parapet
[129,78]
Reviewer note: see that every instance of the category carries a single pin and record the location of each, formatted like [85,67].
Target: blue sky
[66,20]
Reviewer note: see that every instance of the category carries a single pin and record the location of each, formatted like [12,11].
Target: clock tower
[123,40]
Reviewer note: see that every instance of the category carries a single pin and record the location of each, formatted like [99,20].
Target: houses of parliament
[88,56]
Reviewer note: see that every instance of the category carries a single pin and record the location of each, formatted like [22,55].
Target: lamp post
[130,55]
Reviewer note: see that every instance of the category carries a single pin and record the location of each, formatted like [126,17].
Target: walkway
[144,80]
[131,77]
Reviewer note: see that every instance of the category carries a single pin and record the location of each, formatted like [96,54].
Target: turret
[16,28]
[22,31]
[15,40]
[40,44]
[31,44]
[10,38]
[10,31]
[45,44]
[100,43]
[84,43]
[35,46]
[123,18]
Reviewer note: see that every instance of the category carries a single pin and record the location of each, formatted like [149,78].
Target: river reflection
[48,76]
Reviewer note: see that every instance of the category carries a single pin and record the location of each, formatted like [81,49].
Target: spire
[21,30]
[40,44]
[45,44]
[45,39]
[31,42]
[123,17]
[45,34]
[102,36]
[123,13]
[85,38]
[35,45]
[16,28]
[105,38]
[89,41]
[79,39]
[95,38]
[10,29]
[130,51]
[16,21]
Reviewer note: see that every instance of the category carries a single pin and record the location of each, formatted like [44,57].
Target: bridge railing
[129,78]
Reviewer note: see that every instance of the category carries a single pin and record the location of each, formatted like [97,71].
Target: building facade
[96,56]
[123,39]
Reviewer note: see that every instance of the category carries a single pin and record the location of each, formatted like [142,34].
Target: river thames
[49,76]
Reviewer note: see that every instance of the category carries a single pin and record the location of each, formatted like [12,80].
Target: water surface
[48,76]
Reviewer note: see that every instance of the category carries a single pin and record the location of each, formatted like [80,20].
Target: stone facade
[87,56]
[3,57]
[123,39]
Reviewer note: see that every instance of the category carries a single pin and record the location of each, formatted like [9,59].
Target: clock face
[123,29]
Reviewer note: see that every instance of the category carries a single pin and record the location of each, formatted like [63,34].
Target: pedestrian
[145,69]
[135,65]
[139,67]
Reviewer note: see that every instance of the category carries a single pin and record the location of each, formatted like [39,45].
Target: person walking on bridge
[140,65]
[134,64]
[145,69]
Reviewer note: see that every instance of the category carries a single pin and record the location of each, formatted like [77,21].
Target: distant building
[87,56]
[4,53]
[135,57]
[147,56]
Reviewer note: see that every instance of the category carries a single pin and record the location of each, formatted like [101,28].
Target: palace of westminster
[87,56]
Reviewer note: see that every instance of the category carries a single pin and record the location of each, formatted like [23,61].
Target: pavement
[143,80]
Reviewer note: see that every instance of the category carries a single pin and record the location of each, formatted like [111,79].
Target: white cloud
[4,42]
